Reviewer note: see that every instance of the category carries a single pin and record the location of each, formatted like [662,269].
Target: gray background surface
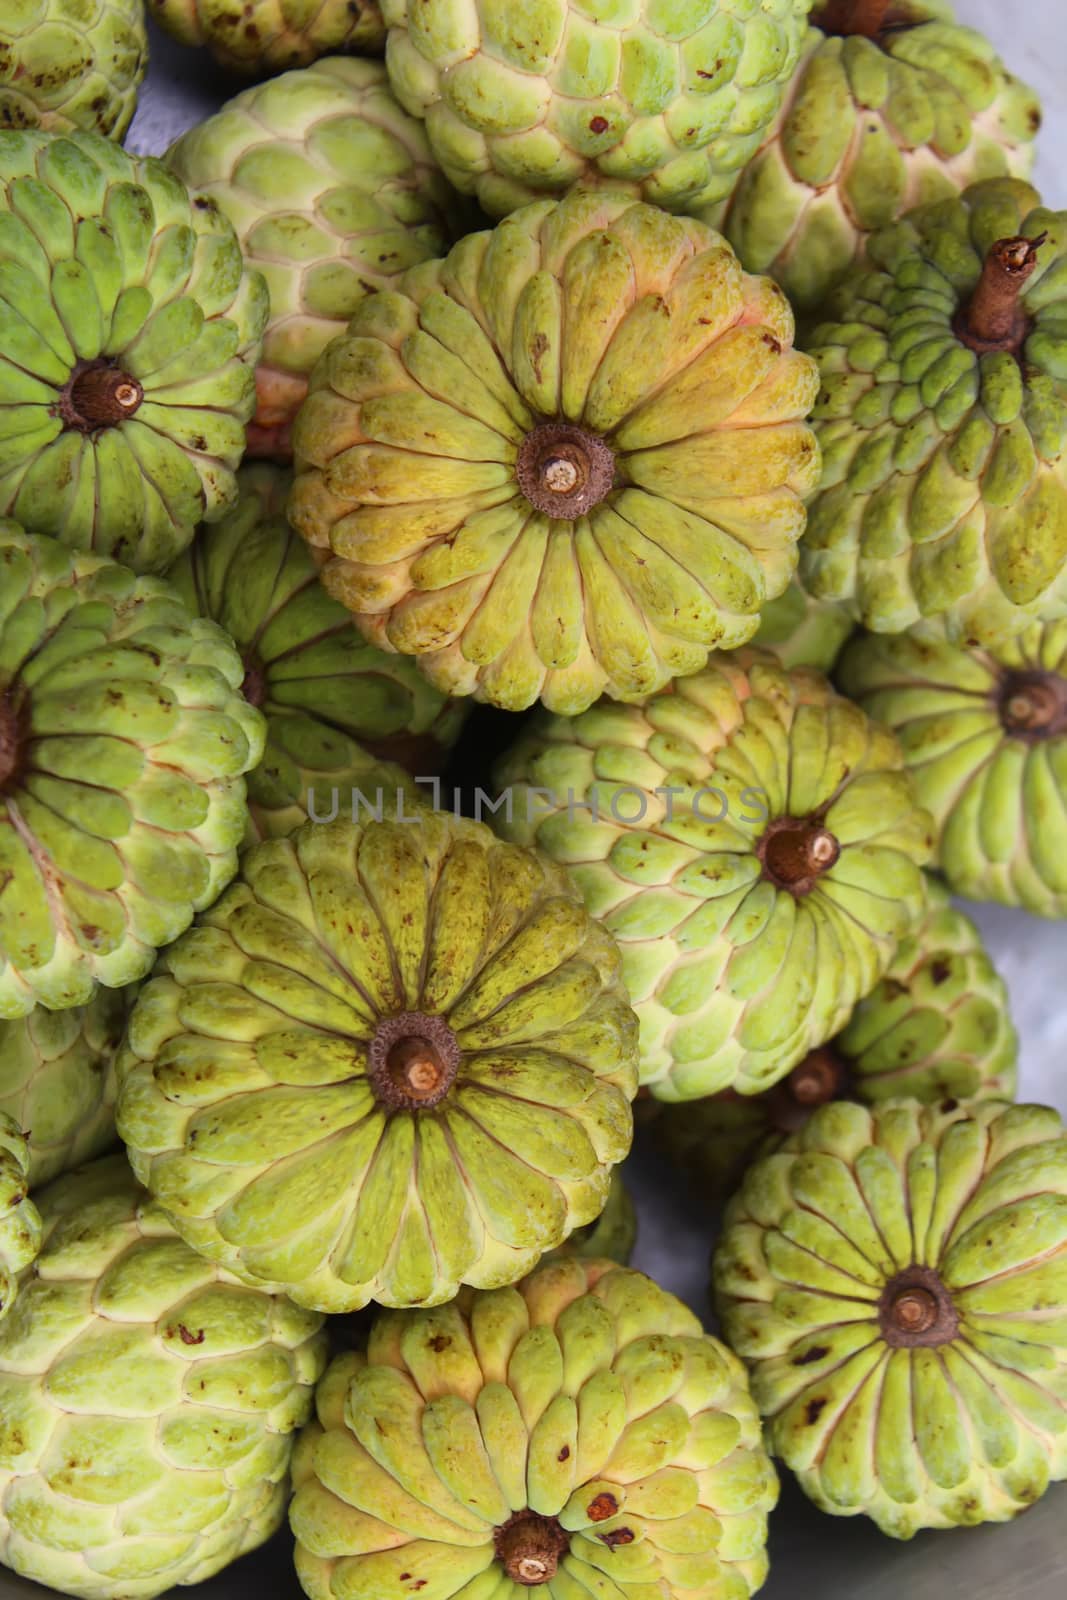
[812,1555]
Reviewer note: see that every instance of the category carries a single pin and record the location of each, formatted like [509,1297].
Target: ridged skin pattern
[936,1027]
[110,270]
[734,976]
[324,691]
[871,128]
[251,1103]
[997,790]
[102,670]
[636,329]
[57,1080]
[669,97]
[253,36]
[939,463]
[147,1401]
[20,1222]
[333,192]
[614,1233]
[803,632]
[71,64]
[822,1236]
[586,1395]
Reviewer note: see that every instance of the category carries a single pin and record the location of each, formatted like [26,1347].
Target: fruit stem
[796,852]
[98,395]
[993,319]
[822,1076]
[563,470]
[529,1546]
[10,740]
[917,1310]
[254,683]
[840,18]
[412,1061]
[1033,705]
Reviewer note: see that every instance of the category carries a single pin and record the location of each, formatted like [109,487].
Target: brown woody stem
[98,395]
[796,852]
[843,17]
[563,470]
[822,1076]
[916,1310]
[10,740]
[412,1061]
[529,1546]
[1033,705]
[993,318]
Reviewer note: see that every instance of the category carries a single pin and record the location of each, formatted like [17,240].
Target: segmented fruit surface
[389,1060]
[802,631]
[753,842]
[576,1432]
[248,36]
[20,1222]
[71,64]
[894,1279]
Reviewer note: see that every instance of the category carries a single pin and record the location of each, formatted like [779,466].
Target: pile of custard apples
[533,573]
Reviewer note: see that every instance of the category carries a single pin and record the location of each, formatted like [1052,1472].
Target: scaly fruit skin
[71,64]
[147,1401]
[20,1221]
[254,37]
[336,707]
[614,1233]
[576,1434]
[333,192]
[939,463]
[937,1027]
[128,341]
[105,676]
[376,1017]
[523,102]
[894,1278]
[984,734]
[871,128]
[570,458]
[57,1080]
[741,950]
[803,632]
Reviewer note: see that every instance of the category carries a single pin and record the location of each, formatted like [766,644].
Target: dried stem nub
[529,1547]
[563,470]
[98,395]
[841,18]
[994,319]
[412,1061]
[795,852]
[1033,705]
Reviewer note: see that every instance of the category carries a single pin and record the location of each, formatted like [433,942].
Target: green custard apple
[570,458]
[252,37]
[339,712]
[71,64]
[893,105]
[148,1401]
[130,329]
[124,739]
[522,101]
[943,422]
[613,1235]
[578,1434]
[20,1221]
[333,192]
[984,734]
[753,842]
[392,1059]
[803,632]
[57,1080]
[894,1278]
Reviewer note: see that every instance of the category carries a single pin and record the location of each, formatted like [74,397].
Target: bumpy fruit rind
[894,1279]
[71,64]
[869,129]
[256,36]
[148,1401]
[104,676]
[940,459]
[752,841]
[20,1221]
[333,193]
[339,712]
[578,1433]
[128,342]
[803,632]
[984,734]
[613,1235]
[57,1080]
[570,458]
[390,1060]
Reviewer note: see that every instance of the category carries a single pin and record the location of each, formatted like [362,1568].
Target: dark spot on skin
[604,1506]
[439,1342]
[816,1353]
[564,1453]
[617,1536]
[941,971]
[598,125]
[813,1411]
[772,343]
[949,1105]
[538,347]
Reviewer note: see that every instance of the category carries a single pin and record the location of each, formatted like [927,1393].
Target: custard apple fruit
[943,422]
[892,106]
[71,64]
[129,335]
[613,1235]
[754,844]
[392,1059]
[124,738]
[572,457]
[894,1277]
[20,1221]
[338,711]
[148,1401]
[578,1434]
[333,192]
[803,632]
[984,734]
[253,37]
